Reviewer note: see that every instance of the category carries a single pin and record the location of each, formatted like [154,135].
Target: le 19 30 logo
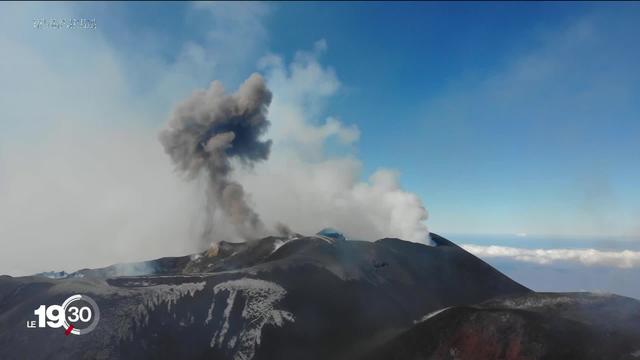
[78,315]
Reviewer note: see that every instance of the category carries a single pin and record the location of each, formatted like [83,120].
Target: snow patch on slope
[325,239]
[160,294]
[277,245]
[258,310]
[534,301]
[432,314]
[135,311]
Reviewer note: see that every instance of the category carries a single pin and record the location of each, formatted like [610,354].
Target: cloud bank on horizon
[624,259]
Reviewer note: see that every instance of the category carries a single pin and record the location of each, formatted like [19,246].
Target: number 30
[83,314]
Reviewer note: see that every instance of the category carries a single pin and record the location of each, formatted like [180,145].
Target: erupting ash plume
[208,130]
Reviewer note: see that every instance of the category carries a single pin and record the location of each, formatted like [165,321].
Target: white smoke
[306,189]
[85,183]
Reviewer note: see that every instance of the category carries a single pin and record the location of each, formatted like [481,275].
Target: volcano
[317,297]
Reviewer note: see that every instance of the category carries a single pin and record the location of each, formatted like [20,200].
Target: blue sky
[503,117]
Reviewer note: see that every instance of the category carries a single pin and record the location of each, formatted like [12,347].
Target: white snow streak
[258,310]
[432,314]
[153,296]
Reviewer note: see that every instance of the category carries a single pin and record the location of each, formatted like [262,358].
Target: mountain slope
[314,297]
[531,326]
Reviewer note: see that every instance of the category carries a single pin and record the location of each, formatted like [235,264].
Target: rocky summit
[317,297]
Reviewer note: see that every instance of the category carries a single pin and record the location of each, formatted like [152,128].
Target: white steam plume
[307,189]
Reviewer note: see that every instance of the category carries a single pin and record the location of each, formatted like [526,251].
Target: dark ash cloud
[209,129]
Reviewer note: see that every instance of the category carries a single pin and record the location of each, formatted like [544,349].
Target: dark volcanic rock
[300,297]
[532,326]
